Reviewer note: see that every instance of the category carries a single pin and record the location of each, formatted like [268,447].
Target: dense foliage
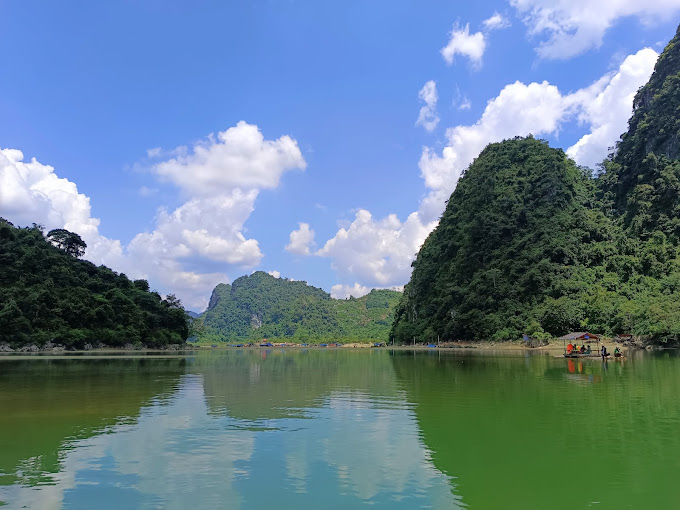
[48,295]
[530,243]
[261,306]
[641,182]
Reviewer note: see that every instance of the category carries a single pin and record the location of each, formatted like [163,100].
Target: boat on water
[595,354]
[583,338]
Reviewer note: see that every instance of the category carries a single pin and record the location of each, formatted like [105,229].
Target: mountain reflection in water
[293,428]
[227,429]
[532,431]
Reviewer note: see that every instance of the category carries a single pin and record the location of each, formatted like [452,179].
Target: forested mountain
[48,295]
[641,182]
[261,306]
[530,243]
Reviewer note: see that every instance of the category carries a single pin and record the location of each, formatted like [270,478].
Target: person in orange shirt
[570,348]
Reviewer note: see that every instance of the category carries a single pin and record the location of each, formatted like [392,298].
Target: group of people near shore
[583,349]
[573,348]
[617,353]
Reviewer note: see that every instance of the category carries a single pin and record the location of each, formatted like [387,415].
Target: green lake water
[290,429]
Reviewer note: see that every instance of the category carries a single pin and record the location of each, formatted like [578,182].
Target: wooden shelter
[582,337]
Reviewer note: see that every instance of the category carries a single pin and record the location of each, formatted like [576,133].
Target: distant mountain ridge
[261,306]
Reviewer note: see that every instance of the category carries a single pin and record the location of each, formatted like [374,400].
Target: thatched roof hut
[582,336]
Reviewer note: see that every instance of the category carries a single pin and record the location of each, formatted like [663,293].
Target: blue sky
[318,103]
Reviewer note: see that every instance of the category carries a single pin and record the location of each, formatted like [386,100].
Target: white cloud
[153,153]
[607,112]
[32,192]
[428,117]
[539,109]
[301,240]
[571,27]
[461,101]
[222,178]
[146,191]
[207,227]
[379,252]
[462,43]
[340,291]
[496,22]
[274,273]
[239,157]
[518,110]
[164,270]
[376,253]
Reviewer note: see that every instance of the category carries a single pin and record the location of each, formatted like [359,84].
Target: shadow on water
[538,432]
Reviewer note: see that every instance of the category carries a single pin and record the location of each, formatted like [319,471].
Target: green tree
[49,294]
[70,242]
[13,324]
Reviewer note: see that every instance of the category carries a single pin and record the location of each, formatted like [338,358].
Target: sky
[190,143]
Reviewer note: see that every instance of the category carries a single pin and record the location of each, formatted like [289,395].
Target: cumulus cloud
[571,27]
[340,291]
[32,192]
[274,273]
[607,109]
[378,252]
[221,177]
[540,109]
[463,43]
[239,157]
[301,240]
[495,22]
[519,109]
[207,227]
[428,117]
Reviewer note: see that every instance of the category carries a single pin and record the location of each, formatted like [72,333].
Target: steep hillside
[48,295]
[530,243]
[520,225]
[261,306]
[642,177]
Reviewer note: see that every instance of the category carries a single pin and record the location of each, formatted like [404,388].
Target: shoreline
[551,348]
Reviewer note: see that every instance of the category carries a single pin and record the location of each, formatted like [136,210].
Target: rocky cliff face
[641,179]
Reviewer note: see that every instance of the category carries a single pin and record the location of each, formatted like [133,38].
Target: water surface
[339,429]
